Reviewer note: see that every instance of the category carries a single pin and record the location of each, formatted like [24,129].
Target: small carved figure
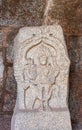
[30,71]
[30,74]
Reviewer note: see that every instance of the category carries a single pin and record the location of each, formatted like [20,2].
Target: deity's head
[43,59]
[30,61]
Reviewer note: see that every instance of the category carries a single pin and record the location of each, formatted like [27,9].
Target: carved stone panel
[41,69]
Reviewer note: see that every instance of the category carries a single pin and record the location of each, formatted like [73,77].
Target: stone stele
[41,69]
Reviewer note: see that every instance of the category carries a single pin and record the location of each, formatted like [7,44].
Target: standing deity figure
[46,77]
[39,80]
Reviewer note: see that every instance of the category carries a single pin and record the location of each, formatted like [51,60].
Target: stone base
[58,120]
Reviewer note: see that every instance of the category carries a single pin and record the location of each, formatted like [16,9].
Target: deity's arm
[51,76]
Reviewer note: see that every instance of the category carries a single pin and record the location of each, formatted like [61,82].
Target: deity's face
[43,60]
[30,61]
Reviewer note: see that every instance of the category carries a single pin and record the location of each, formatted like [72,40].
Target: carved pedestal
[41,69]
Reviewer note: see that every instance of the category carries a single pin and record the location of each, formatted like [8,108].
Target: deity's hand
[26,85]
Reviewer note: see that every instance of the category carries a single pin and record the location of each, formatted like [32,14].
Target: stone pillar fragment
[41,69]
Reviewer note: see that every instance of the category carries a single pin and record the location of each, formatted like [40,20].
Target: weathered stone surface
[1,79]
[30,13]
[5,122]
[10,91]
[77,126]
[75,42]
[8,37]
[68,14]
[9,101]
[41,69]
[75,97]
[20,12]
[1,39]
[42,121]
[1,67]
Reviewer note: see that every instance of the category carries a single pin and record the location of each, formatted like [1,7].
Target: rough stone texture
[1,79]
[41,69]
[31,12]
[77,126]
[1,67]
[69,14]
[12,31]
[75,100]
[42,121]
[1,39]
[20,12]
[10,91]
[5,122]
